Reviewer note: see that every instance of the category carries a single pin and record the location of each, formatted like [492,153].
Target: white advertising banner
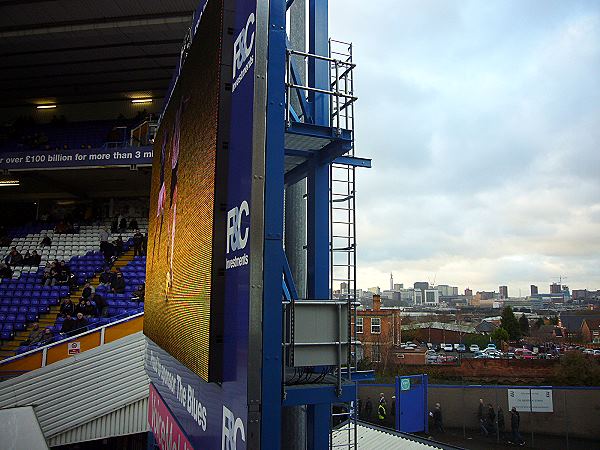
[520,399]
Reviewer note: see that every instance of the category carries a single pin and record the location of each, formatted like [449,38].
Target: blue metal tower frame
[315,169]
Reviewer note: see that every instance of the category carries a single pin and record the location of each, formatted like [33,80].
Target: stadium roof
[61,51]
[371,437]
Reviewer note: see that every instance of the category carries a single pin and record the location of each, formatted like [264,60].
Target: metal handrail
[45,348]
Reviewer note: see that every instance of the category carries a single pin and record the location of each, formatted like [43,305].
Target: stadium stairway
[48,319]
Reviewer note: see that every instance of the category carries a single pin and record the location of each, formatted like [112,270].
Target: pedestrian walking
[368,408]
[515,423]
[436,414]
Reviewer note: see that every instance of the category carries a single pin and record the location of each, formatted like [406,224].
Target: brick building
[378,330]
[590,330]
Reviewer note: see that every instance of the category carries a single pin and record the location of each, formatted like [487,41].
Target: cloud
[482,122]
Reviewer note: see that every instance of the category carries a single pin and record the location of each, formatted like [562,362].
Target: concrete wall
[576,411]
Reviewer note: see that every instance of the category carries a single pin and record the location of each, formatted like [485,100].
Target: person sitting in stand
[106,277]
[109,252]
[35,259]
[87,291]
[123,224]
[64,273]
[68,325]
[5,271]
[53,276]
[46,241]
[101,305]
[47,337]
[35,336]
[89,309]
[14,258]
[114,226]
[67,308]
[138,294]
[133,225]
[118,283]
[80,323]
[26,259]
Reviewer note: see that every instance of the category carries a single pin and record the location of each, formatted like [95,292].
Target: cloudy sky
[483,122]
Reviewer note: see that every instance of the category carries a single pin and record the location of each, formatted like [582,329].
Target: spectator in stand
[53,276]
[5,271]
[35,336]
[133,224]
[138,294]
[118,283]
[80,323]
[138,242]
[65,276]
[114,226]
[80,307]
[119,245]
[103,238]
[46,241]
[32,260]
[67,308]
[88,291]
[123,224]
[68,325]
[14,258]
[89,309]
[47,337]
[109,252]
[145,244]
[101,305]
[106,277]
[26,259]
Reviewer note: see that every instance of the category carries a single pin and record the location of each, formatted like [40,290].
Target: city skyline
[482,122]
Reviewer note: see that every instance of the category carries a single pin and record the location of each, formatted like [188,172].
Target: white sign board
[531,400]
[74,348]
[520,399]
[541,400]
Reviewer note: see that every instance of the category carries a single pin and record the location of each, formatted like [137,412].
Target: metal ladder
[342,217]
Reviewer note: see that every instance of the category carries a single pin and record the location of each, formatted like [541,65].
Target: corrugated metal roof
[374,438]
[130,419]
[81,390]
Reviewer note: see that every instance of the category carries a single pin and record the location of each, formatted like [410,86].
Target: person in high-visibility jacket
[381,412]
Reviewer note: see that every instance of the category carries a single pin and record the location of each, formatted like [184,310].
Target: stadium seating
[23,298]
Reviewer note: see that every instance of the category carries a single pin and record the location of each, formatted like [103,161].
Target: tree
[539,323]
[500,335]
[577,370]
[510,323]
[554,320]
[524,325]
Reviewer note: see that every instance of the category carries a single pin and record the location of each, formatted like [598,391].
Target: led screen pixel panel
[184,290]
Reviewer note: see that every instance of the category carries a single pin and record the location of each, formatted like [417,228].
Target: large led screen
[185,254]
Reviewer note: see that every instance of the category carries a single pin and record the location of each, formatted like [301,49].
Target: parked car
[447,347]
[474,348]
[596,352]
[460,348]
[490,345]
[588,351]
[480,355]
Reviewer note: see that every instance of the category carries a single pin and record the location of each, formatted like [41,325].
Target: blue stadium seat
[6,335]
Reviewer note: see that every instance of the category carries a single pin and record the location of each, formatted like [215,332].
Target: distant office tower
[391,282]
[374,290]
[555,288]
[398,286]
[503,291]
[422,285]
[344,287]
[447,291]
[534,289]
[468,292]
